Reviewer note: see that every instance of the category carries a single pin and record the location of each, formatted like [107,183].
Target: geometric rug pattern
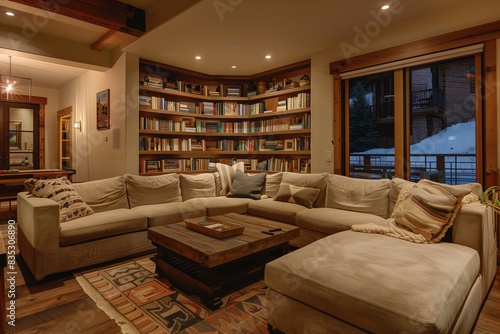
[141,302]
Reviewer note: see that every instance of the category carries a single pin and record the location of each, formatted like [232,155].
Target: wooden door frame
[61,113]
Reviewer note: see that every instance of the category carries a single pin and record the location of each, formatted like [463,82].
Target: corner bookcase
[188,121]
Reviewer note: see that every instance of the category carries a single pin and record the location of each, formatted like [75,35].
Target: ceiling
[56,49]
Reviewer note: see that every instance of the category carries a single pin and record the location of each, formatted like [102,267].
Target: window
[443,122]
[413,121]
[371,126]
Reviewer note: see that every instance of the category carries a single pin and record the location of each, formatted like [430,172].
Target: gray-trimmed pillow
[60,190]
[226,174]
[247,186]
[294,194]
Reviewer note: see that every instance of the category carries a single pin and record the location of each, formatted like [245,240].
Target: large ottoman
[353,282]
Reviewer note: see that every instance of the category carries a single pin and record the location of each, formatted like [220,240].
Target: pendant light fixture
[15,88]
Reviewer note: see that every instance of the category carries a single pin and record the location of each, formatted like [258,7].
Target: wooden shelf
[297,103]
[305,132]
[205,154]
[201,97]
[226,117]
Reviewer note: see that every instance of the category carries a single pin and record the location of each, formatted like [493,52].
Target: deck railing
[447,168]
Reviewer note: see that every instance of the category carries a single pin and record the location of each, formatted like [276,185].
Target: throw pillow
[226,174]
[423,212]
[272,184]
[313,180]
[294,194]
[60,190]
[247,186]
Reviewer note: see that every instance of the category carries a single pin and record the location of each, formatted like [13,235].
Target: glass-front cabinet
[19,142]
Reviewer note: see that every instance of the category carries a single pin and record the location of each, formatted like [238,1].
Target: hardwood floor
[59,305]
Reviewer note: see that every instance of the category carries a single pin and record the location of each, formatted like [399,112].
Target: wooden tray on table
[213,227]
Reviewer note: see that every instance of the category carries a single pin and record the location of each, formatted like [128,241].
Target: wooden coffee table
[212,267]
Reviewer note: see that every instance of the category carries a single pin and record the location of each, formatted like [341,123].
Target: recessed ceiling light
[385,7]
[9,13]
[197,57]
[234,66]
[268,56]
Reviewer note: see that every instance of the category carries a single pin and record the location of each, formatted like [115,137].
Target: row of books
[238,145]
[176,165]
[268,125]
[285,165]
[160,103]
[200,164]
[189,87]
[302,100]
[171,144]
[160,124]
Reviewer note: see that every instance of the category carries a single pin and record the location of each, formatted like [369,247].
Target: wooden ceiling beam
[112,14]
[106,41]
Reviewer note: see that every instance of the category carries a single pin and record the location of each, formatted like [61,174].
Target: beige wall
[97,154]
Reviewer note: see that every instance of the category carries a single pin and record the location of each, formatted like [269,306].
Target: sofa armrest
[38,219]
[475,227]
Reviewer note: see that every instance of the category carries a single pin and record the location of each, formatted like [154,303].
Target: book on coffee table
[213,227]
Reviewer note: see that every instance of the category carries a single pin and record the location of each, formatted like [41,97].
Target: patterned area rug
[141,302]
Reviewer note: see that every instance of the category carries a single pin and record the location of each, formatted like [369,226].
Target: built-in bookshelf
[189,121]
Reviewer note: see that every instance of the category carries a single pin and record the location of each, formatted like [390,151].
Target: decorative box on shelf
[214,227]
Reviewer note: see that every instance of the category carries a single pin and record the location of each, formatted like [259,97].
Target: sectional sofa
[341,279]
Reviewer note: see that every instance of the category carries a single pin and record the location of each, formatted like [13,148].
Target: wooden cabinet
[189,121]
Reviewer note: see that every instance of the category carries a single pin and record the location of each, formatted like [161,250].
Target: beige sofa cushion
[221,204]
[169,213]
[329,220]
[358,195]
[198,185]
[101,225]
[104,195]
[314,180]
[280,211]
[147,190]
[381,284]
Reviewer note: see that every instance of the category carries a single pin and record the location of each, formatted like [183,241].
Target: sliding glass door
[420,121]
[371,126]
[443,121]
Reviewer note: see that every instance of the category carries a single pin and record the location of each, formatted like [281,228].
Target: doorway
[65,138]
[19,142]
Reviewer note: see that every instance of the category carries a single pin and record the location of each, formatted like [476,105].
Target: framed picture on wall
[102,109]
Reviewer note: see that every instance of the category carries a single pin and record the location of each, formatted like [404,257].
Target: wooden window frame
[486,99]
